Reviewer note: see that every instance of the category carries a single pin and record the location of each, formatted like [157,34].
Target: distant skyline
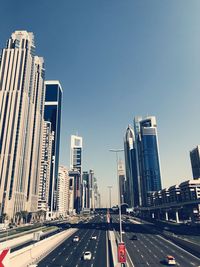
[115,60]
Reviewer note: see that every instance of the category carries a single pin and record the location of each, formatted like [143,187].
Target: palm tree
[4,217]
[24,215]
[18,217]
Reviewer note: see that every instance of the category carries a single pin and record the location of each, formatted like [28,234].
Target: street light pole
[119,202]
[109,188]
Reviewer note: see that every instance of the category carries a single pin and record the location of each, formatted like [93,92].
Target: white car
[170,260]
[87,255]
[76,239]
[94,237]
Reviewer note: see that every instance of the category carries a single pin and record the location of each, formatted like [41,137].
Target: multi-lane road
[70,254]
[151,248]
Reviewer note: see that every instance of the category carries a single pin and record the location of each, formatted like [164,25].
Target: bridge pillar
[177,217]
[166,216]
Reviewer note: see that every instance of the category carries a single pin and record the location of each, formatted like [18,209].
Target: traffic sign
[4,257]
[121,253]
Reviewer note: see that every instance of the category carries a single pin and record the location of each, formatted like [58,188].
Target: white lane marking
[178,247]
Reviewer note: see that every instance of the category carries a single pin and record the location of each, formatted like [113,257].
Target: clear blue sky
[116,59]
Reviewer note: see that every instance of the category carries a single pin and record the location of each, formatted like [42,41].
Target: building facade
[76,153]
[148,157]
[122,182]
[43,194]
[63,192]
[52,113]
[132,192]
[195,162]
[21,109]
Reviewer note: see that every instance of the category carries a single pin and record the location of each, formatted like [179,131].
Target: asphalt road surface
[70,254]
[150,248]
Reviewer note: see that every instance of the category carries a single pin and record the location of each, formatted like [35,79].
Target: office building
[122,182]
[52,113]
[75,190]
[132,190]
[43,194]
[63,192]
[85,192]
[76,153]
[21,109]
[147,156]
[195,162]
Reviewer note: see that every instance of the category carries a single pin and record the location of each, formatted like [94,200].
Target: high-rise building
[63,192]
[122,185]
[75,190]
[148,156]
[195,162]
[132,188]
[43,194]
[52,113]
[85,192]
[76,153]
[21,117]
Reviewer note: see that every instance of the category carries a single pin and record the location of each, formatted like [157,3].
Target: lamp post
[109,188]
[116,151]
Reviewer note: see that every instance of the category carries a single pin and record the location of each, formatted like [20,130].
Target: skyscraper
[122,188]
[195,162]
[43,194]
[21,109]
[76,153]
[148,156]
[132,191]
[52,113]
[63,191]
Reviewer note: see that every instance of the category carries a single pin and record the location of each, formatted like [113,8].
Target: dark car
[134,237]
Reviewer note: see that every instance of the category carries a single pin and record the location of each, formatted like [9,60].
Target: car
[134,237]
[76,239]
[123,232]
[94,237]
[87,255]
[170,260]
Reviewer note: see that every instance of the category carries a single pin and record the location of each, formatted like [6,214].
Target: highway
[70,254]
[150,248]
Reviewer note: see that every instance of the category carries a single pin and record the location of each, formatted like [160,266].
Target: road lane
[70,254]
[150,248]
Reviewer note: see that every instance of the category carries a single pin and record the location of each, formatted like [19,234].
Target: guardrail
[34,253]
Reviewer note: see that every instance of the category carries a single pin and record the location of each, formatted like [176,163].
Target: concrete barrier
[34,253]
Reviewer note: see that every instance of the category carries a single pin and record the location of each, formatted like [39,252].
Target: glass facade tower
[148,157]
[52,113]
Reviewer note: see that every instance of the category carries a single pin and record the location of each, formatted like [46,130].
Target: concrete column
[177,217]
[166,216]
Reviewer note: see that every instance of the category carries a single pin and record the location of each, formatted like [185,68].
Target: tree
[24,215]
[4,217]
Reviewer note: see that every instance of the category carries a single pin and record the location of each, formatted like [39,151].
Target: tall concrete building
[75,190]
[21,109]
[43,194]
[85,191]
[63,192]
[147,151]
[122,182]
[195,162]
[76,153]
[52,113]
[132,190]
